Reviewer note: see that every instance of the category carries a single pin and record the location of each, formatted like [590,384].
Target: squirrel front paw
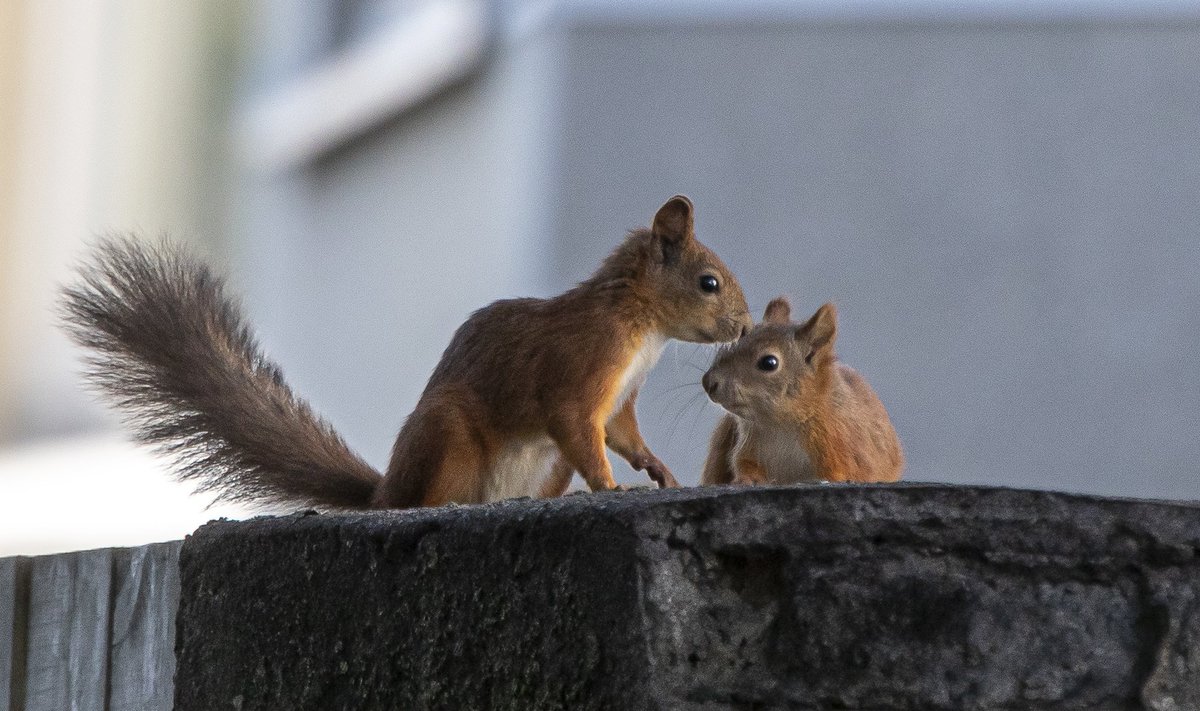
[656,470]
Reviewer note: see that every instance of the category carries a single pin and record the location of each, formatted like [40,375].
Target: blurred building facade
[1000,197]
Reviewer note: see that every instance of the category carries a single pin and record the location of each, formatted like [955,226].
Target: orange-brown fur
[528,391]
[523,369]
[810,419]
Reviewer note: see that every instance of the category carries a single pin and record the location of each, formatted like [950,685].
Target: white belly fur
[521,468]
[639,367]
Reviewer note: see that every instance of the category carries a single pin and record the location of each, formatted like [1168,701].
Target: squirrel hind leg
[459,476]
[559,479]
[437,460]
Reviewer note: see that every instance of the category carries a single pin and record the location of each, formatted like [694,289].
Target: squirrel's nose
[710,383]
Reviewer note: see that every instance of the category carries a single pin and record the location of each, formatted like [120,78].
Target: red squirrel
[524,382]
[796,414]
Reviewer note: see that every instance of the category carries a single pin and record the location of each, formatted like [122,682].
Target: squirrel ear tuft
[821,329]
[778,311]
[673,225]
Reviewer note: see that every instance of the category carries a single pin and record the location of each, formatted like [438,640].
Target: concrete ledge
[897,597]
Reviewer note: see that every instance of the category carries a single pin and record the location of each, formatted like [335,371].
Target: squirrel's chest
[782,454]
[633,376]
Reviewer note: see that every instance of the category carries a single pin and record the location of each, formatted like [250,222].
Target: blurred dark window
[357,19]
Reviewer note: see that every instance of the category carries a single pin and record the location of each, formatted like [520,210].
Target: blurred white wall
[84,492]
[113,117]
[10,53]
[117,123]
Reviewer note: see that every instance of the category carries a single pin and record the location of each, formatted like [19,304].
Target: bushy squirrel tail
[174,355]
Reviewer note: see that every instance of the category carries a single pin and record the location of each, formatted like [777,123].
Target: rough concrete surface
[823,597]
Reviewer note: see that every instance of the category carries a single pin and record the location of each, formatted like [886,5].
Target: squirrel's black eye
[768,363]
[709,284]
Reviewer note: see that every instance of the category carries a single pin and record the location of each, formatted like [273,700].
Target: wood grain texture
[14,613]
[142,651]
[69,621]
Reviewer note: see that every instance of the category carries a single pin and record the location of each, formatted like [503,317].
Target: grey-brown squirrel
[523,383]
[797,414]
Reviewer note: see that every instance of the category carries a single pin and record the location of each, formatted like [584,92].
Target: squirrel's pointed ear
[778,311]
[673,225]
[821,329]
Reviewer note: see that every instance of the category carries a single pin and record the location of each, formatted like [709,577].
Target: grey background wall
[1002,203]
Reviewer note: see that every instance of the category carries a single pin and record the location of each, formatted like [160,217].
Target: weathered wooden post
[89,630]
